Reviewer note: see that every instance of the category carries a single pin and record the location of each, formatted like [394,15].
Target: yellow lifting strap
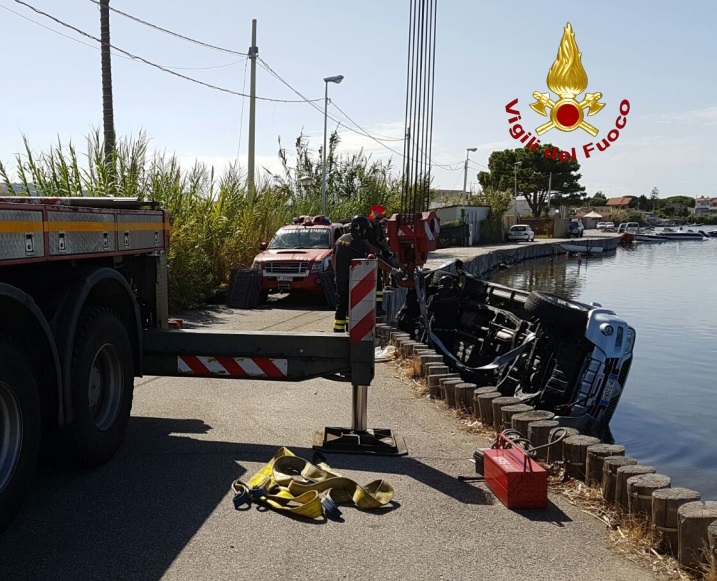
[291,484]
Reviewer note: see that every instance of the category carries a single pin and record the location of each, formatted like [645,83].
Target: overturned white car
[555,354]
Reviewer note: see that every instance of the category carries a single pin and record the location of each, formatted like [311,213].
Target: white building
[474,216]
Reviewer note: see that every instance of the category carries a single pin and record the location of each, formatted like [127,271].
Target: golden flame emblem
[567,78]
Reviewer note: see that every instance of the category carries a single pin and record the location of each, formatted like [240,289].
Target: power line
[125,54]
[92,46]
[381,137]
[145,61]
[360,130]
[172,33]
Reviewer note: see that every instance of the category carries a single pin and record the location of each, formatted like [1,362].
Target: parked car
[610,226]
[576,228]
[520,232]
[629,227]
[601,226]
[298,258]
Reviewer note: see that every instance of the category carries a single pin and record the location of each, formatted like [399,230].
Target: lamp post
[515,195]
[465,174]
[336,79]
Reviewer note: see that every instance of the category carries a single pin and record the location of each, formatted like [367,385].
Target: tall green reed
[216,227]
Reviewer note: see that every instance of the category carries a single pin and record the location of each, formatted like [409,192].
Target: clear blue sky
[659,55]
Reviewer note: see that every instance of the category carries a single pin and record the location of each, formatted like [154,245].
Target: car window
[301,238]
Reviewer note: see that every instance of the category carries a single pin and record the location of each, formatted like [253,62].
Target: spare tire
[245,289]
[558,313]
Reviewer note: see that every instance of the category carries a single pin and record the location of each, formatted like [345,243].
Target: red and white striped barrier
[245,367]
[362,299]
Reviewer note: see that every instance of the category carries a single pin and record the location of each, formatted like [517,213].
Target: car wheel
[567,316]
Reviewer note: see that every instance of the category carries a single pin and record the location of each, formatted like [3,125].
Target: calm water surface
[668,292]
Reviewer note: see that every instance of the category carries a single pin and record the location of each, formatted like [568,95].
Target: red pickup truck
[298,258]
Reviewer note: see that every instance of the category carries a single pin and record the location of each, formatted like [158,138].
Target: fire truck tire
[245,292]
[101,384]
[568,317]
[21,428]
[329,285]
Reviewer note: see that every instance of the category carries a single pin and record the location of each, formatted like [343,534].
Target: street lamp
[335,79]
[465,174]
[515,195]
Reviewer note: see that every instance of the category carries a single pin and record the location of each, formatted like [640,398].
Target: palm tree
[107,105]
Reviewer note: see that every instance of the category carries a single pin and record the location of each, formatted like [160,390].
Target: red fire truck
[83,311]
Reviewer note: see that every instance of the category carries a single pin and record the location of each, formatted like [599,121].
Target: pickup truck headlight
[317,266]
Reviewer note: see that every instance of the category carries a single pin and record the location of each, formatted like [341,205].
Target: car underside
[554,354]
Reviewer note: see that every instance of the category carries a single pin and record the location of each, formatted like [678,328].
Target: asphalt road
[162,508]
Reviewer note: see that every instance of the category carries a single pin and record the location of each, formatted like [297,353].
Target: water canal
[668,293]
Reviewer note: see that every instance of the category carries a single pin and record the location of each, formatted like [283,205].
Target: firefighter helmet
[360,226]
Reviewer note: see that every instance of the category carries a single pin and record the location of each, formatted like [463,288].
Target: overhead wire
[150,63]
[94,47]
[172,33]
[171,70]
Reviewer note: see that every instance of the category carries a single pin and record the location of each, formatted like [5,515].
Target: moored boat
[582,248]
[679,235]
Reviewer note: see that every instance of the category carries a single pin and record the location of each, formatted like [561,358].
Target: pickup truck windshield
[301,238]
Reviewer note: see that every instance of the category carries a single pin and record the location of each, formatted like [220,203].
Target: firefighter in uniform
[377,244]
[349,247]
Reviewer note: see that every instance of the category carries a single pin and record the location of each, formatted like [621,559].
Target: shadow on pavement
[132,517]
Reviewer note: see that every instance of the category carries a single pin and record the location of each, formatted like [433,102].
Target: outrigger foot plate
[381,442]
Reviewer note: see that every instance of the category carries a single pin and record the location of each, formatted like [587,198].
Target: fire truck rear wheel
[102,380]
[20,427]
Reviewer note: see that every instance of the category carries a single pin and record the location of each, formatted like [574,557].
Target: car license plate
[284,278]
[611,382]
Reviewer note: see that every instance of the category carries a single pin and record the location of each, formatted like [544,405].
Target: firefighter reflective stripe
[246,367]
[379,296]
[362,299]
[340,325]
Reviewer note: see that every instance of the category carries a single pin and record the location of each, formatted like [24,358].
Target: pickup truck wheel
[101,384]
[566,317]
[20,428]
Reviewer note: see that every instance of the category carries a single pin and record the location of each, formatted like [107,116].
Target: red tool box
[515,478]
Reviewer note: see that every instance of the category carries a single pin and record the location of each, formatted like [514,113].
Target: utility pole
[108,118]
[550,189]
[253,53]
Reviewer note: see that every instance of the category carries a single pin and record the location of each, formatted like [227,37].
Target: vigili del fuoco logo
[567,79]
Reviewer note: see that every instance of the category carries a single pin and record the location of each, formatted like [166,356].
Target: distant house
[474,215]
[705,206]
[619,203]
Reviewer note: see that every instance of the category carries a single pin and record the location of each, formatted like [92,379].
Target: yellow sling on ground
[291,484]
